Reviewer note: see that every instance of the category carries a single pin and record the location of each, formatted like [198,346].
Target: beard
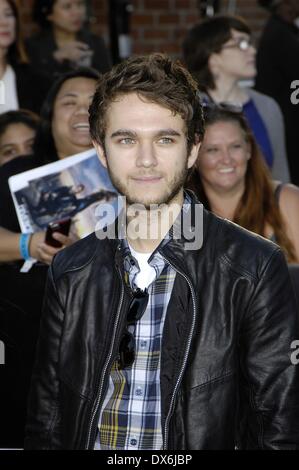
[165,196]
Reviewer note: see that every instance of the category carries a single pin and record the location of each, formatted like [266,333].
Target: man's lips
[147,179]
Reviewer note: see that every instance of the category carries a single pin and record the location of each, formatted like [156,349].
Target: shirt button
[143,344]
[139,392]
[133,442]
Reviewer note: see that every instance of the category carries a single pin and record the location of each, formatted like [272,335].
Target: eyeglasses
[211,107]
[242,43]
[127,344]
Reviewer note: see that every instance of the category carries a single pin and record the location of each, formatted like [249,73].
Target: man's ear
[101,154]
[193,154]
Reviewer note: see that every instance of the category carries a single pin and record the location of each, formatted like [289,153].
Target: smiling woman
[232,180]
[63,131]
[64,128]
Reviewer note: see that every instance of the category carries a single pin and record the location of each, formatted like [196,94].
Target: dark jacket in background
[41,47]
[31,86]
[21,296]
[226,375]
[278,67]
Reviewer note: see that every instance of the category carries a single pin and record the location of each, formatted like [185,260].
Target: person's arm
[289,207]
[9,245]
[43,416]
[269,406]
[38,249]
[73,51]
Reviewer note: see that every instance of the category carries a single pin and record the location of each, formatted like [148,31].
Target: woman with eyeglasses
[220,55]
[232,180]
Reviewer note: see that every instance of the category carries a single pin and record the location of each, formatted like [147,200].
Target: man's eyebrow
[123,132]
[168,132]
[128,133]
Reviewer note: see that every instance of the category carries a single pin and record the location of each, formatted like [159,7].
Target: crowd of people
[242,165]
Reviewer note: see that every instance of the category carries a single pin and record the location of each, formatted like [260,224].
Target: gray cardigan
[273,120]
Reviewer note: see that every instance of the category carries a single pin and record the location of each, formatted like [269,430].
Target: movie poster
[69,188]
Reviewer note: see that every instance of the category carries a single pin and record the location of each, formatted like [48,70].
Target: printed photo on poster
[70,188]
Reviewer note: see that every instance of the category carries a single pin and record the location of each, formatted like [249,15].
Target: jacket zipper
[165,440]
[100,388]
[102,378]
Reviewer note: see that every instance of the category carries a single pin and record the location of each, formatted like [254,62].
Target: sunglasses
[242,43]
[127,344]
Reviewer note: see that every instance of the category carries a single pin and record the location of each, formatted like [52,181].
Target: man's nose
[146,155]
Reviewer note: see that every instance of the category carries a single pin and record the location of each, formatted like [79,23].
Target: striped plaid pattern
[131,412]
[130,417]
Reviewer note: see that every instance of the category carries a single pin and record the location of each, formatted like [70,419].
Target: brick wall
[158,25]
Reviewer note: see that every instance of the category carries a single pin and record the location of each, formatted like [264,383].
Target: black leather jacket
[226,375]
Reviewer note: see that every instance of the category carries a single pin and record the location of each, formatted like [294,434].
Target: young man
[155,338]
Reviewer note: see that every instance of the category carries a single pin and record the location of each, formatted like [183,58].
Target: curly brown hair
[258,205]
[156,78]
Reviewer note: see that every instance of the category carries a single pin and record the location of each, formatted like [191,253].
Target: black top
[278,67]
[8,216]
[31,86]
[41,47]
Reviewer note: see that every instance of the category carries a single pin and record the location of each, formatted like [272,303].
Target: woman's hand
[73,51]
[45,253]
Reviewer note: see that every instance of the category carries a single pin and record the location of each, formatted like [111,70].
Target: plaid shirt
[130,417]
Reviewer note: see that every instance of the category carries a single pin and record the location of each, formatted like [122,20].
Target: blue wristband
[24,245]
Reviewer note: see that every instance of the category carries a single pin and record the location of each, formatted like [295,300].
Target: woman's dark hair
[257,206]
[44,147]
[41,10]
[205,39]
[16,52]
[270,5]
[21,116]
